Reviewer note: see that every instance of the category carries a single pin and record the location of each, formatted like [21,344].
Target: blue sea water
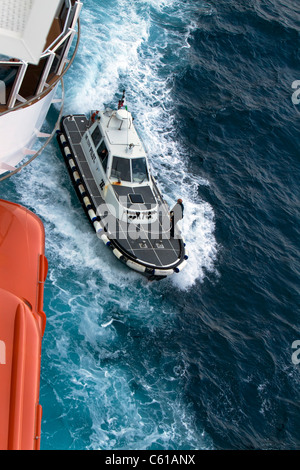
[202,360]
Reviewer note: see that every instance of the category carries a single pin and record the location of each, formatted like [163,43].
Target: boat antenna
[121,101]
[122,104]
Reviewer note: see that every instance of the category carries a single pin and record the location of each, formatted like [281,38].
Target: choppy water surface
[202,360]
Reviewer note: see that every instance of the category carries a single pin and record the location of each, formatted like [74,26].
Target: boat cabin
[119,164]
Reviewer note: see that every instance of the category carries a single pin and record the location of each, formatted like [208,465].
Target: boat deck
[148,244]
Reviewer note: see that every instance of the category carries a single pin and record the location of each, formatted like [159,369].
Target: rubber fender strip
[97,226]
[117,253]
[76,177]
[17,381]
[82,190]
[180,266]
[105,240]
[136,266]
[87,202]
[62,138]
[163,272]
[72,164]
[67,151]
[92,215]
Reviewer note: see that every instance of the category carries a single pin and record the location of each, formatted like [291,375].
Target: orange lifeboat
[23,271]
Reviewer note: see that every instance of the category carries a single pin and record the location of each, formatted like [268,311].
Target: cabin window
[133,170]
[7,78]
[104,163]
[63,15]
[8,74]
[32,78]
[96,136]
[59,55]
[139,170]
[103,154]
[121,169]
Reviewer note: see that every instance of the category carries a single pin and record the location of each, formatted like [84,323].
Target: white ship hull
[28,87]
[19,131]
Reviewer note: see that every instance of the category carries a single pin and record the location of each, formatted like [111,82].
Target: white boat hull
[147,240]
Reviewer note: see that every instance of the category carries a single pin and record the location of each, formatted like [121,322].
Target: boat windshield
[139,170]
[131,170]
[121,169]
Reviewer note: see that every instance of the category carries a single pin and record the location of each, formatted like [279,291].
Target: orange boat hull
[23,271]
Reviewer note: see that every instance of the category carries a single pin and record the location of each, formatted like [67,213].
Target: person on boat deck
[176,215]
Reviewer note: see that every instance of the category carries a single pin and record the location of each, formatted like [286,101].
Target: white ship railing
[50,137]
[43,87]
[65,25]
[42,93]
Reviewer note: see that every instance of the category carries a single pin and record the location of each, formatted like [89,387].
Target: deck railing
[39,96]
[43,87]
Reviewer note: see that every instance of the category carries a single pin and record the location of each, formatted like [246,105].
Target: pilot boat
[110,170]
[35,42]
